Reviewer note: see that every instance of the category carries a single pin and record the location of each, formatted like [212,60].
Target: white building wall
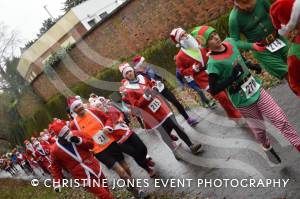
[91,9]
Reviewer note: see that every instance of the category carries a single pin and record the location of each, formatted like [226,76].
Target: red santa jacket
[154,110]
[42,155]
[121,131]
[184,64]
[77,159]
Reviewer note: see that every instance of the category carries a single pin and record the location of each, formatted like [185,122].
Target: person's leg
[164,131]
[101,191]
[171,98]
[227,105]
[275,114]
[134,147]
[203,98]
[179,131]
[255,121]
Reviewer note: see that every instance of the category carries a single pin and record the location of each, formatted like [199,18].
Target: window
[92,22]
[103,15]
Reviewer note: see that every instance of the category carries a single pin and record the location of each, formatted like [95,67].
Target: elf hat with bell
[202,33]
[285,15]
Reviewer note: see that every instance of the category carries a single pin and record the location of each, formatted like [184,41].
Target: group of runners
[99,130]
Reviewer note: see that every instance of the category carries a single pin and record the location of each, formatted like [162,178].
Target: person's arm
[256,67]
[267,5]
[106,120]
[234,32]
[215,87]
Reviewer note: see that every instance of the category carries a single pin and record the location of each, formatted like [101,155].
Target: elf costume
[285,22]
[257,26]
[246,93]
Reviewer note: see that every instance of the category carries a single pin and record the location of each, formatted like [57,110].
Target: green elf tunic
[256,26]
[222,65]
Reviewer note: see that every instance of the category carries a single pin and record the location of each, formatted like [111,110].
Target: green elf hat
[202,33]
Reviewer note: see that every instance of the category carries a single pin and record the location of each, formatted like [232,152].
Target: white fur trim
[108,127]
[293,19]
[137,65]
[126,69]
[74,104]
[63,131]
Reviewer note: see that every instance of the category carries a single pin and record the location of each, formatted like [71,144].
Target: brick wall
[132,28]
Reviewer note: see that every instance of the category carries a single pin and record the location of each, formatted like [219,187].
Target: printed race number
[154,105]
[100,138]
[276,45]
[250,87]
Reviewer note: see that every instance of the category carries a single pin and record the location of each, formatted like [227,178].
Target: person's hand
[196,68]
[74,139]
[107,130]
[237,70]
[147,92]
[258,47]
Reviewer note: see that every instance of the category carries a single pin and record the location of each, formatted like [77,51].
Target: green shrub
[42,118]
[30,126]
[56,106]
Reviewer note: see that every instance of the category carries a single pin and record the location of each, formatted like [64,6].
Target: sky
[26,16]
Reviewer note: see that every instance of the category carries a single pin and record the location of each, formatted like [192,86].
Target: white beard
[189,42]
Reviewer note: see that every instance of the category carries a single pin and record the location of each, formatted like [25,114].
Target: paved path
[230,153]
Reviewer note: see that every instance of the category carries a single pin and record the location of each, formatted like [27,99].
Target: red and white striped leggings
[266,106]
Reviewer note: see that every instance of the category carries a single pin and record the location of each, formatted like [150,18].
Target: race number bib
[154,105]
[276,45]
[100,138]
[250,87]
[160,86]
[189,79]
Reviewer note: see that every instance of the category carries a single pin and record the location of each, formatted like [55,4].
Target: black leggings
[171,98]
[166,128]
[135,147]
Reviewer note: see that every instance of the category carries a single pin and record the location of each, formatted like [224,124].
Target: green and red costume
[257,26]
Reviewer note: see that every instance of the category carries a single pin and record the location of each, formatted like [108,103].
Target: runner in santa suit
[71,152]
[191,61]
[30,154]
[251,19]
[227,70]
[42,152]
[285,17]
[23,163]
[138,92]
[96,125]
[142,68]
[129,142]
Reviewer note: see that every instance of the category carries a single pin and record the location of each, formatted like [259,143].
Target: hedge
[159,54]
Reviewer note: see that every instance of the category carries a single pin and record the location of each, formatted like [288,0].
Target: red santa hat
[73,102]
[124,68]
[59,128]
[138,60]
[176,33]
[285,15]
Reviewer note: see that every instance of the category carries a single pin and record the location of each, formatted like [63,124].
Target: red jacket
[79,162]
[154,110]
[42,156]
[121,131]
[184,64]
